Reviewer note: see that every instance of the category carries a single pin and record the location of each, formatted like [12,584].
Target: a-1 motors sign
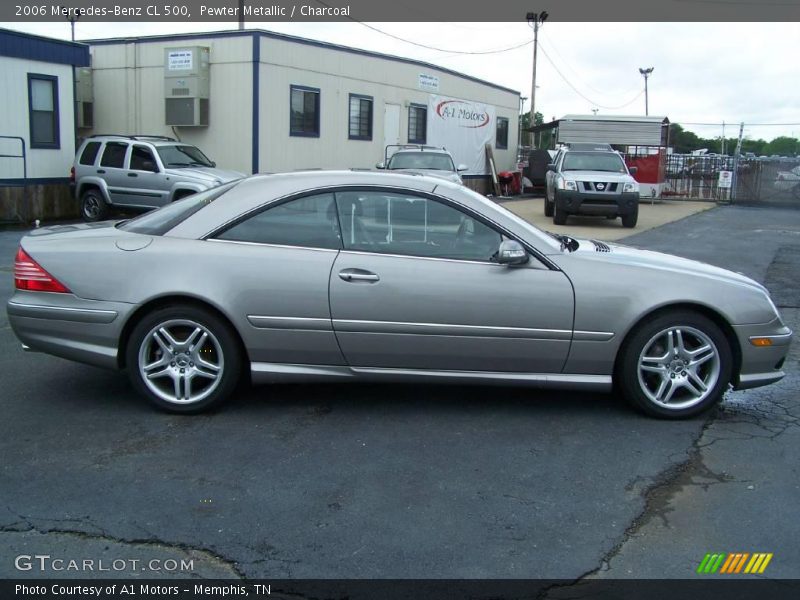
[464,128]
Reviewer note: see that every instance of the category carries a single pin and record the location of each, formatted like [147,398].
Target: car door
[415,287]
[281,258]
[550,178]
[112,170]
[145,179]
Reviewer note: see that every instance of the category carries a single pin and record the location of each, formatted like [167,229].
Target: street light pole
[536,20]
[646,73]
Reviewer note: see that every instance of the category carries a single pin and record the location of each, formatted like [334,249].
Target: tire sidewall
[228,342]
[101,203]
[627,368]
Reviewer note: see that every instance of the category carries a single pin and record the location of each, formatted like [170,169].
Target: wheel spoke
[696,384]
[653,364]
[187,384]
[207,371]
[177,382]
[665,391]
[702,355]
[189,342]
[166,348]
[679,345]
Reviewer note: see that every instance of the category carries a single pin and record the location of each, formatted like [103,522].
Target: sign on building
[179,60]
[464,128]
[428,83]
[725,180]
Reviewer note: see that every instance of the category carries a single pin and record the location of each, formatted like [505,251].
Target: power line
[746,124]
[577,91]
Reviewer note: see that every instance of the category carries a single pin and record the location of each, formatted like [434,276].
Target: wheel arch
[93,184]
[166,301]
[713,315]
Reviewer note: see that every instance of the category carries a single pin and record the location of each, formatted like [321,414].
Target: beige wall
[14,120]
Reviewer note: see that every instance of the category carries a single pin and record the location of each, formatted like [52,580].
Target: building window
[304,111]
[501,141]
[360,117]
[43,111]
[417,124]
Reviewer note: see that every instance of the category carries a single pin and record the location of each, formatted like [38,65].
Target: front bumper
[64,325]
[586,203]
[762,365]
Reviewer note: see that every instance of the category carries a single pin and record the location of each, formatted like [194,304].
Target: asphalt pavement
[401,481]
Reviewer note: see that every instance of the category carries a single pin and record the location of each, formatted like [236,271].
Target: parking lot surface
[396,481]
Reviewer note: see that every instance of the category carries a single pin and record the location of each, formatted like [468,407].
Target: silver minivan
[140,172]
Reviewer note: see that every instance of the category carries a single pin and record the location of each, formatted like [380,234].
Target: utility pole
[646,73]
[519,121]
[736,154]
[241,15]
[536,20]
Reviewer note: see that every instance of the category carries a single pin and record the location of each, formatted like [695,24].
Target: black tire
[93,206]
[221,348]
[559,215]
[548,208]
[631,219]
[637,388]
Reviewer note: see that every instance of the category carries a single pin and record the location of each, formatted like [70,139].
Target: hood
[626,255]
[598,176]
[208,175]
[437,173]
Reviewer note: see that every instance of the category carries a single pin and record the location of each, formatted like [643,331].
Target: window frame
[317,109]
[371,117]
[412,107]
[56,144]
[497,143]
[153,154]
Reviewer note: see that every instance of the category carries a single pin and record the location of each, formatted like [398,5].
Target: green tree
[783,145]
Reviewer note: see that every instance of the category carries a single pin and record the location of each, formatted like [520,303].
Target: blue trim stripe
[34,181]
[297,40]
[256,135]
[16,44]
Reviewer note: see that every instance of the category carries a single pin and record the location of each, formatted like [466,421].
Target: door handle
[358,275]
[101,171]
[132,175]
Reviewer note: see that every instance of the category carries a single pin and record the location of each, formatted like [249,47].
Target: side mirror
[551,166]
[213,164]
[380,165]
[633,170]
[461,167]
[511,253]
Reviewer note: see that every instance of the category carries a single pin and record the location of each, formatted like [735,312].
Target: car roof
[157,140]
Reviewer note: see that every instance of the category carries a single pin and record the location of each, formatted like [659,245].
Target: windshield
[183,156]
[160,221]
[593,161]
[421,160]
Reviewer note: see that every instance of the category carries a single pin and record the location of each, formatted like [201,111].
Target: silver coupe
[336,276]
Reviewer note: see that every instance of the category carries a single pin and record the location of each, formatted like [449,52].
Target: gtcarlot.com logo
[46,563]
[733,563]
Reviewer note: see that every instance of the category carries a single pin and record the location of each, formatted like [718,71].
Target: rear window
[90,153]
[421,160]
[160,221]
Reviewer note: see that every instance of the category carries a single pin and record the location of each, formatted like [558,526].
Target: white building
[37,125]
[270,102]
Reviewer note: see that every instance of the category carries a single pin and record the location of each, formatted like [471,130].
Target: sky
[704,73]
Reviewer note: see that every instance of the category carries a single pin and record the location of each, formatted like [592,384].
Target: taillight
[72,174]
[28,275]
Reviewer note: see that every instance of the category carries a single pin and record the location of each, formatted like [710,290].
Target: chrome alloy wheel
[91,208]
[181,361]
[679,367]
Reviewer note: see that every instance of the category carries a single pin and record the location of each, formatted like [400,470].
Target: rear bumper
[64,325]
[762,365]
[597,204]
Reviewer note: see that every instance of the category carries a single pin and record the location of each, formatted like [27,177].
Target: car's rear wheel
[548,207]
[185,359]
[630,219]
[675,366]
[559,215]
[93,206]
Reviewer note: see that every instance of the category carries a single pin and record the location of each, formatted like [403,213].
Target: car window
[411,225]
[114,155]
[160,221]
[89,153]
[142,159]
[183,156]
[593,161]
[308,222]
[421,160]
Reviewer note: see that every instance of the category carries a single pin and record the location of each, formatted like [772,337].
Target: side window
[89,153]
[405,224]
[309,222]
[303,111]
[417,124]
[114,155]
[501,139]
[43,111]
[360,117]
[142,159]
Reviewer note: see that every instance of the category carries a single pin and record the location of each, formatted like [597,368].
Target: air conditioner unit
[84,97]
[186,86]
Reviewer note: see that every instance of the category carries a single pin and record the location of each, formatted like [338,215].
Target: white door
[391,125]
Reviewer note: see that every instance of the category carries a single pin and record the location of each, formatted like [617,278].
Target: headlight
[630,187]
[566,184]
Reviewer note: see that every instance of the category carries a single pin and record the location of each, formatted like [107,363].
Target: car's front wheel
[185,359]
[559,215]
[548,207]
[675,366]
[630,219]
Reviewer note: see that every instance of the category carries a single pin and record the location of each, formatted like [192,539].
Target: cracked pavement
[380,481]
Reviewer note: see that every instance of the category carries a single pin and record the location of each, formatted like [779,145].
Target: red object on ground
[651,168]
[511,182]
